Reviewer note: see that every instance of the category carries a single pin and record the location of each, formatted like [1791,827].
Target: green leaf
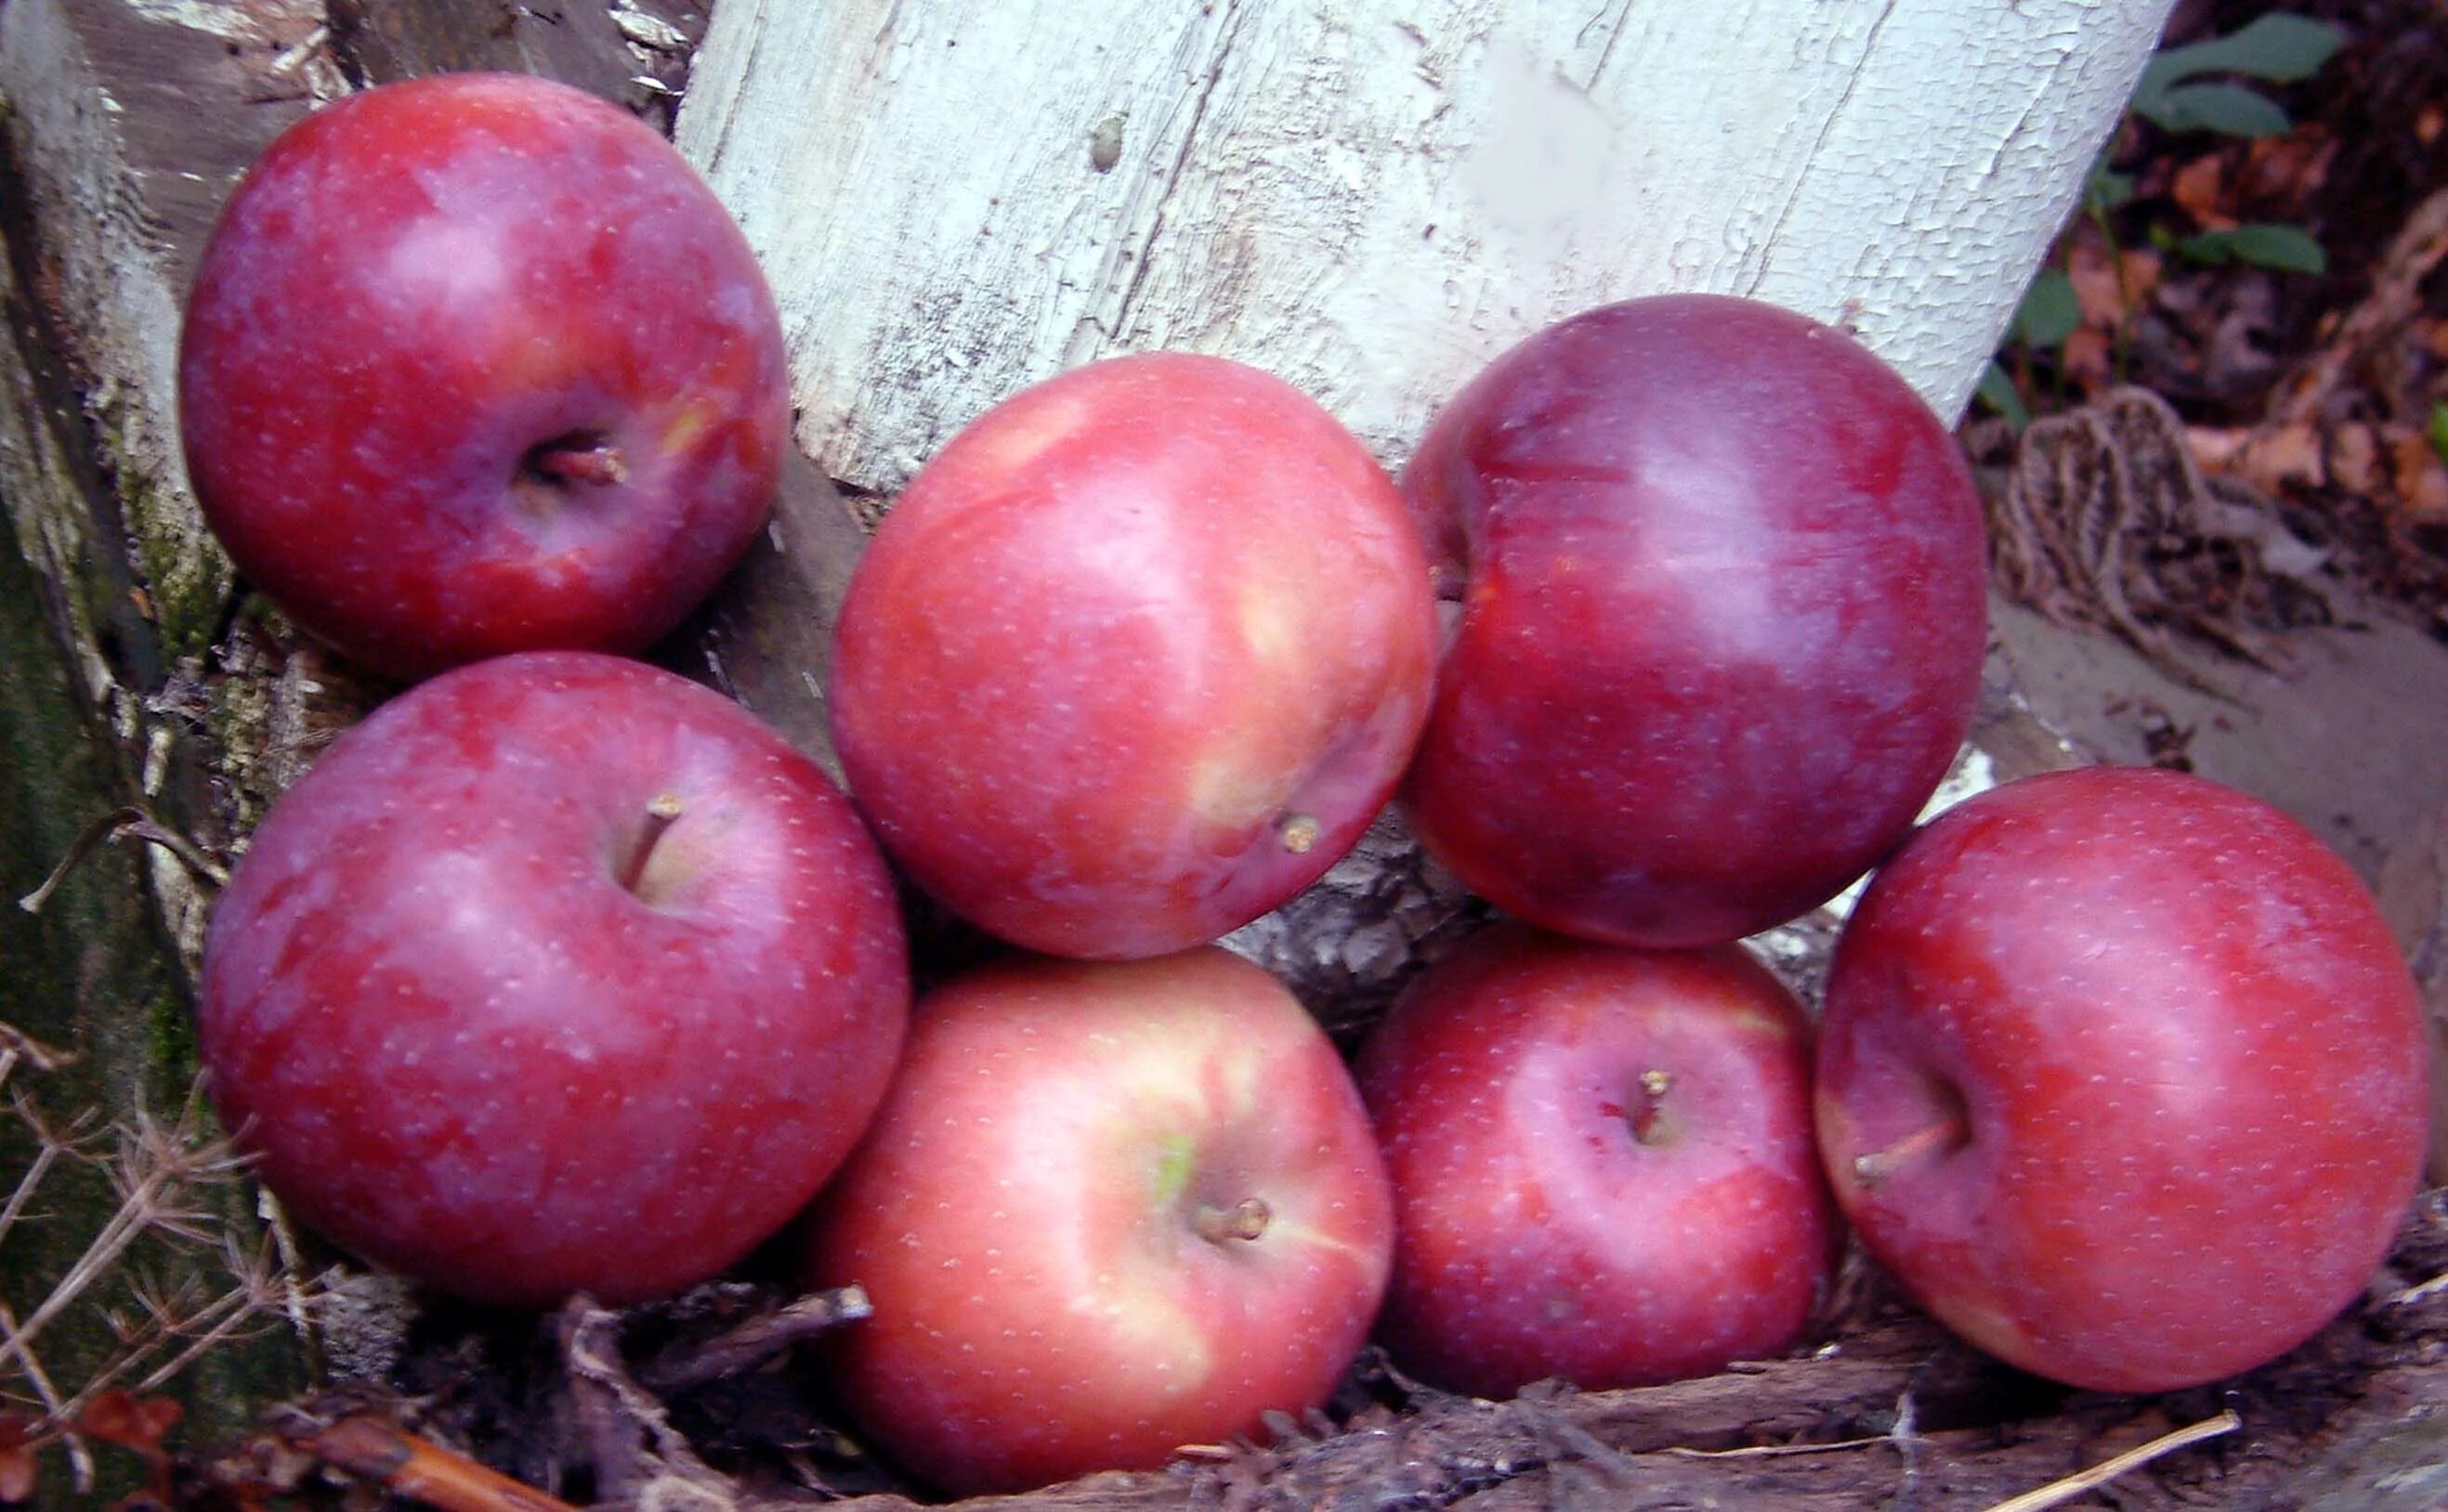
[2049,314]
[2281,248]
[2286,249]
[2208,247]
[1998,391]
[2438,425]
[2107,189]
[2229,109]
[2281,46]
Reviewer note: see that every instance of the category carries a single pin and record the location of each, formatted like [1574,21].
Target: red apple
[1721,581]
[1602,1163]
[2122,1078]
[1109,1209]
[476,364]
[1135,658]
[557,974]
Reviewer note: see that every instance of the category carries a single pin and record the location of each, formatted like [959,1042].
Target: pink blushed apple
[475,364]
[2122,1078]
[1603,1165]
[1137,657]
[1108,1209]
[557,974]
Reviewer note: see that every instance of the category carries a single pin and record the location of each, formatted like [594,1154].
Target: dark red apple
[1602,1163]
[476,364]
[1720,577]
[559,974]
[1109,1209]
[1135,657]
[2122,1078]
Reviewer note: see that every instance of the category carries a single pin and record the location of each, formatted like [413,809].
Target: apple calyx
[1936,1140]
[662,812]
[1245,1219]
[1299,832]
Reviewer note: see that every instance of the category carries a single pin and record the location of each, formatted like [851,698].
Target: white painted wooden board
[1371,198]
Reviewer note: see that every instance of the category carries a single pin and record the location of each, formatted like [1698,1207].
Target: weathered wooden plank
[576,42]
[1371,198]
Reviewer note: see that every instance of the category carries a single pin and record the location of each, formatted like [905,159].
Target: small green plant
[2280,47]
[2196,87]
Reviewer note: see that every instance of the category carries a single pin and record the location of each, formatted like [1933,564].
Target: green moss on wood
[187,576]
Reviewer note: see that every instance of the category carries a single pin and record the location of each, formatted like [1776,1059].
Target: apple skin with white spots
[2123,1078]
[1721,583]
[1109,1209]
[488,1018]
[1135,657]
[476,364]
[1603,1165]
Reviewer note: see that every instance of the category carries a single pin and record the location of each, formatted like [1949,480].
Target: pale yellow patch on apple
[1161,1336]
[684,428]
[1138,1308]
[1237,786]
[1752,1021]
[1983,1327]
[1268,616]
[1019,436]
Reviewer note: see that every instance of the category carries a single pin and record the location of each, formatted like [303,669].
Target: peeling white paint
[228,22]
[1972,774]
[1371,198]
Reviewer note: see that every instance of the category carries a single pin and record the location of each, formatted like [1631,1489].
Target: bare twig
[50,1147]
[16,1045]
[153,1171]
[687,1366]
[130,820]
[1905,1436]
[628,1435]
[1779,1451]
[2394,300]
[196,1327]
[407,1465]
[2058,1493]
[80,1466]
[2420,1292]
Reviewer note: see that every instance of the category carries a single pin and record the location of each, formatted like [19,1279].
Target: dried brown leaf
[2355,460]
[2275,458]
[2216,448]
[2200,188]
[2086,359]
[2282,173]
[2098,287]
[2142,267]
[139,1422]
[2421,480]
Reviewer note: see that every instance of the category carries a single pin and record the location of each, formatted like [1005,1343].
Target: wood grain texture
[1370,197]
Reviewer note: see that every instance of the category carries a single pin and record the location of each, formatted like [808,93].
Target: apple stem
[660,815]
[599,463]
[1944,1136]
[1245,1219]
[1655,1085]
[1298,832]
